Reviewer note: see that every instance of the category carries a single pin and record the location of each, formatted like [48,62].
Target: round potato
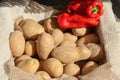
[88,67]
[80,31]
[29,65]
[50,24]
[45,45]
[43,75]
[69,36]
[21,58]
[68,43]
[53,66]
[58,36]
[89,38]
[97,51]
[31,29]
[71,69]
[30,48]
[17,43]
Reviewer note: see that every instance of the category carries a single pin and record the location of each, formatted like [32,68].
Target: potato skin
[53,66]
[80,31]
[21,58]
[69,36]
[89,38]
[58,36]
[31,29]
[88,67]
[50,24]
[29,65]
[97,51]
[71,54]
[71,69]
[30,48]
[43,75]
[17,43]
[45,44]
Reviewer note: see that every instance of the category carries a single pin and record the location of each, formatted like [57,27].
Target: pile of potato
[48,52]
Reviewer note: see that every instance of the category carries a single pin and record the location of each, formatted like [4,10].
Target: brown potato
[21,58]
[89,38]
[58,36]
[50,24]
[80,31]
[43,75]
[88,67]
[17,43]
[53,66]
[68,54]
[69,36]
[71,69]
[31,29]
[29,65]
[97,51]
[45,44]
[30,48]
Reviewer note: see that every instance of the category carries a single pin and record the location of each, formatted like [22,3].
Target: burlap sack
[108,31]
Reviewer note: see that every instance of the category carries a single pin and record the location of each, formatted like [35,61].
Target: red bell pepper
[91,8]
[66,21]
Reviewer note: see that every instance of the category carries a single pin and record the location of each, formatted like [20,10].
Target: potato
[31,29]
[17,43]
[68,43]
[45,44]
[71,69]
[70,78]
[80,31]
[58,36]
[29,65]
[17,22]
[68,54]
[21,58]
[53,66]
[43,75]
[88,67]
[97,51]
[69,36]
[89,38]
[30,48]
[50,24]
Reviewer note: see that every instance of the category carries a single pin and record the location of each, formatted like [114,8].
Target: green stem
[95,10]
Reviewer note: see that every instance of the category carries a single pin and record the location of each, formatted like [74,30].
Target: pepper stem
[95,10]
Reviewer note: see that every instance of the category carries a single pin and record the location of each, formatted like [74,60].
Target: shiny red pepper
[66,21]
[91,8]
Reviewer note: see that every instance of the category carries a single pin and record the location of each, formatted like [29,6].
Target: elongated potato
[29,65]
[31,29]
[97,51]
[71,69]
[53,66]
[43,75]
[88,67]
[50,24]
[21,58]
[89,38]
[17,43]
[45,44]
[80,31]
[69,36]
[58,36]
[68,54]
[30,48]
